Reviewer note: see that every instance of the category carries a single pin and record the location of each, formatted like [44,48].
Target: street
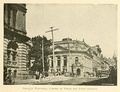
[62,80]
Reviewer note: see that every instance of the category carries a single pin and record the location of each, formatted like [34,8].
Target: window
[14,18]
[51,61]
[12,53]
[65,61]
[58,61]
[76,60]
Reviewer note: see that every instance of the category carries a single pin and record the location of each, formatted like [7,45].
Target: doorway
[78,71]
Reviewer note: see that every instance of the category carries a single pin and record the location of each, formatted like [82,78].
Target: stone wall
[21,59]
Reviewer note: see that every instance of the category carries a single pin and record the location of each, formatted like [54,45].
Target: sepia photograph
[60,44]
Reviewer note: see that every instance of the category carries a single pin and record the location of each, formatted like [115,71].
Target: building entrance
[78,71]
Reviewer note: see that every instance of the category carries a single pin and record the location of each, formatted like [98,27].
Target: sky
[96,24]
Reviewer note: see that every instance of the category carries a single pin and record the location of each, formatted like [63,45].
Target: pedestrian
[40,75]
[37,74]
[9,76]
[15,73]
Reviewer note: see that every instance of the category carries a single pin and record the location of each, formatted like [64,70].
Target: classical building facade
[75,57]
[15,39]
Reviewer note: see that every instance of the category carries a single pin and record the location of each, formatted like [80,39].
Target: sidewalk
[25,81]
[42,80]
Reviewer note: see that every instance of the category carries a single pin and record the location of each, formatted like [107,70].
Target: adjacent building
[15,39]
[74,57]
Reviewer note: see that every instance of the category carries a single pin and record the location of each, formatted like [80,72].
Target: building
[75,57]
[15,39]
[113,61]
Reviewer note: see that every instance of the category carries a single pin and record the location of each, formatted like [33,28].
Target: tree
[36,52]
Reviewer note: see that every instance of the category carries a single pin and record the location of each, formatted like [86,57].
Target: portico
[65,65]
[60,64]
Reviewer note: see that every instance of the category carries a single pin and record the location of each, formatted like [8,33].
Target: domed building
[74,57]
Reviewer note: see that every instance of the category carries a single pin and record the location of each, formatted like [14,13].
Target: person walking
[8,77]
[37,74]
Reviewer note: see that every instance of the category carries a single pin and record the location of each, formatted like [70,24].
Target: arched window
[11,49]
[76,60]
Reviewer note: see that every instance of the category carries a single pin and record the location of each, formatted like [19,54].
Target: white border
[20,88]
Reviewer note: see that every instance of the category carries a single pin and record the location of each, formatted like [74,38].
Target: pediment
[59,48]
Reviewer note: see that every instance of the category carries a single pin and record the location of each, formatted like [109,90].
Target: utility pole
[43,55]
[51,30]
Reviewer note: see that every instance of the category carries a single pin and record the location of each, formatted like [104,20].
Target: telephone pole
[51,30]
[43,55]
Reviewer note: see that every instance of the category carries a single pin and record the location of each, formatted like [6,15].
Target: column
[23,21]
[61,63]
[56,60]
[6,14]
[68,64]
[11,18]
[14,18]
[9,15]
[49,64]
[17,20]
[54,63]
[49,61]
